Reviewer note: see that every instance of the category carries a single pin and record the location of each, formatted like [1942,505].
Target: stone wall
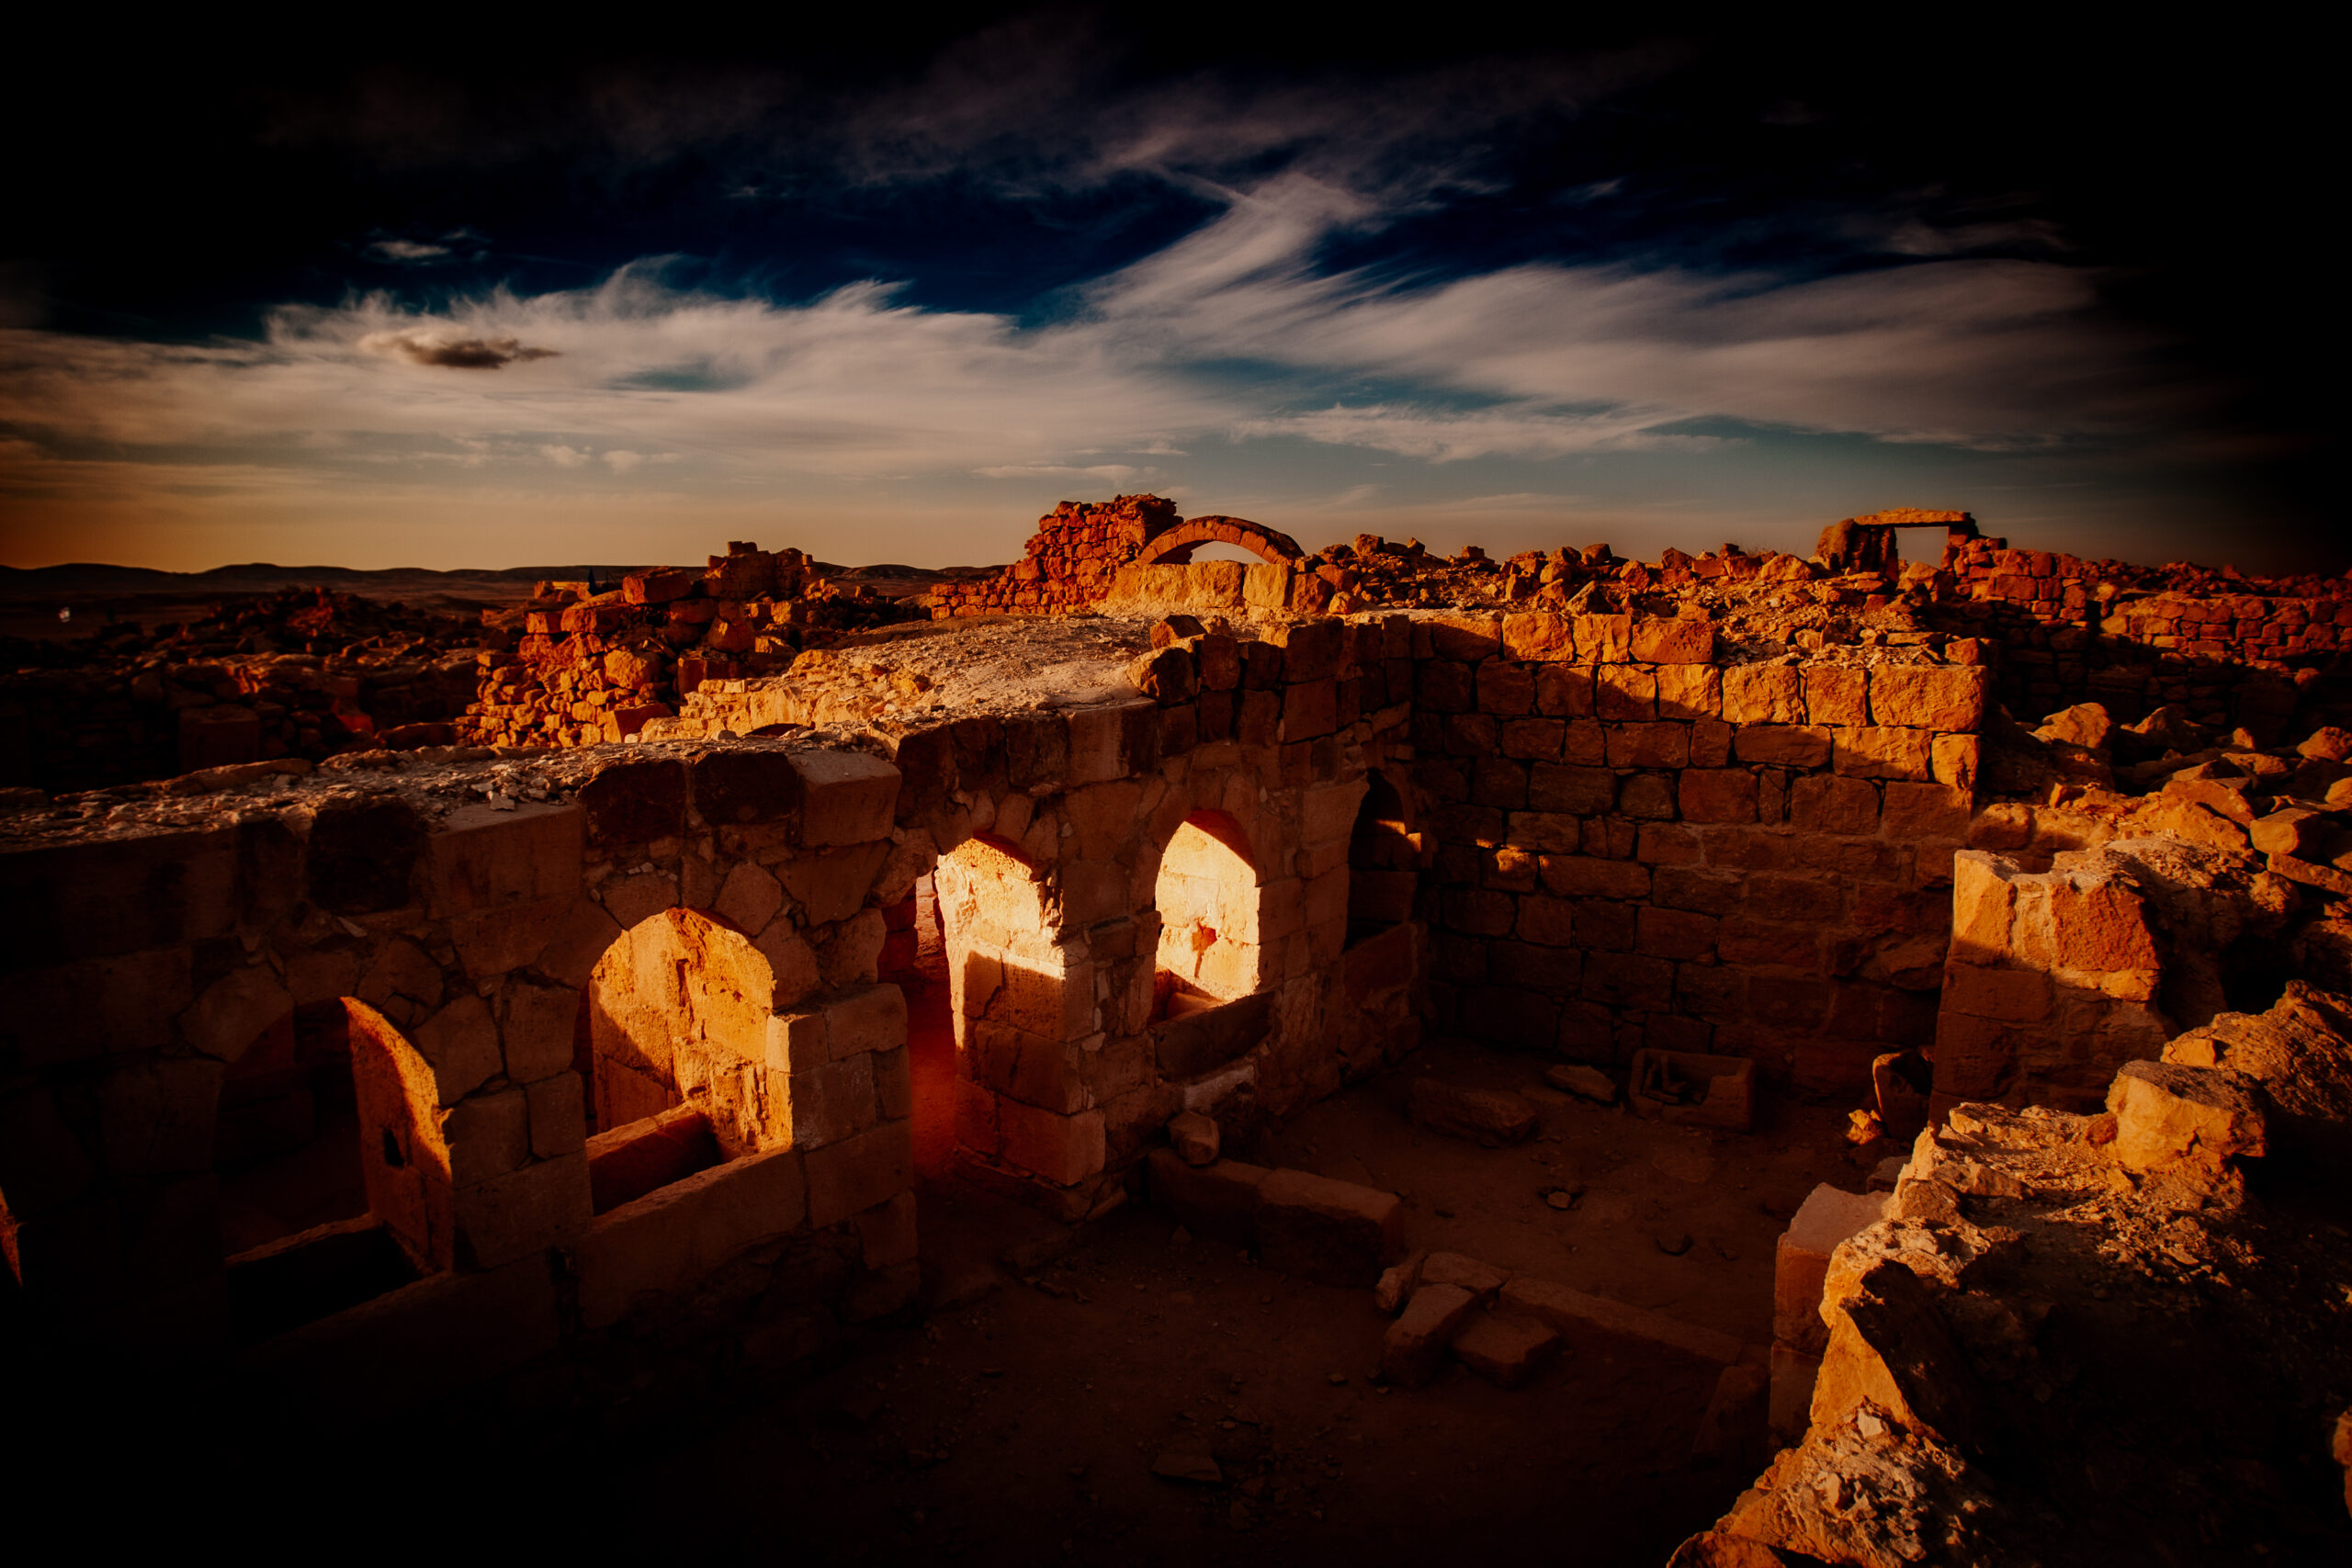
[1069,560]
[1638,845]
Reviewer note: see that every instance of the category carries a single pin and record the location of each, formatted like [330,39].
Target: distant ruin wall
[1069,560]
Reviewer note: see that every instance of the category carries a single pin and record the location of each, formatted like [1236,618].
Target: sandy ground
[1021,1420]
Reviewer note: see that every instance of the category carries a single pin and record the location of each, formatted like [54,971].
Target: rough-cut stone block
[1717,794]
[667,1241]
[2168,1115]
[1764,694]
[1801,1262]
[1415,1346]
[1398,1282]
[485,860]
[1881,752]
[1065,1150]
[857,1173]
[1721,1090]
[1781,745]
[1481,1279]
[539,1206]
[1218,1200]
[1505,1351]
[847,797]
[1945,698]
[1657,641]
[1334,1232]
[1194,1137]
[1835,695]
[1483,1116]
[1573,1311]
[1539,634]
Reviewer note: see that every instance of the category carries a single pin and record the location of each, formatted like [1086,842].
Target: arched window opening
[1013,1008]
[1208,900]
[1384,862]
[679,1013]
[335,1182]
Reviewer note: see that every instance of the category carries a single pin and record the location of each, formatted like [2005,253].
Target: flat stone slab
[1503,1350]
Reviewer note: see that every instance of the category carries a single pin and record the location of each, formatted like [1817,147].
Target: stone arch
[1175,547]
[684,1009]
[1210,904]
[1384,857]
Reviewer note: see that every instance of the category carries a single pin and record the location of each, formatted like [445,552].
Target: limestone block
[828,1103]
[847,797]
[1503,1350]
[630,899]
[1625,692]
[492,941]
[488,1135]
[1656,745]
[668,1240]
[1835,695]
[1717,794]
[1763,695]
[1538,635]
[1678,641]
[736,786]
[1793,1374]
[1218,1200]
[1690,691]
[750,897]
[1064,1150]
[527,1211]
[1953,759]
[1482,1280]
[1334,1232]
[485,860]
[829,884]
[1917,811]
[97,1006]
[1194,1137]
[1415,1346]
[1781,745]
[2007,996]
[233,1011]
[1883,752]
[584,936]
[792,966]
[460,1043]
[1398,1282]
[1720,1090]
[1948,697]
[535,1025]
[1604,640]
[858,1173]
[886,1232]
[1105,741]
[1801,1262]
[558,1117]
[2168,1115]
[1483,1116]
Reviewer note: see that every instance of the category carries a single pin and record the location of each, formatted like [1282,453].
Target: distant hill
[90,579]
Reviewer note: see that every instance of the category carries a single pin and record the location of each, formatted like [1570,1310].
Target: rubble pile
[575,667]
[2116,1336]
[305,672]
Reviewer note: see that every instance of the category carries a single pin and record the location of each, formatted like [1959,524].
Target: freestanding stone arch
[1175,547]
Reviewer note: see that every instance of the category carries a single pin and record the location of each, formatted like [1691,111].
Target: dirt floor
[1021,1420]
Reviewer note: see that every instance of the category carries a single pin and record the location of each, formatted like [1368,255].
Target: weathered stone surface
[1415,1346]
[1482,1280]
[1503,1350]
[1194,1137]
[1334,1232]
[1485,1116]
[1218,1200]
[2168,1115]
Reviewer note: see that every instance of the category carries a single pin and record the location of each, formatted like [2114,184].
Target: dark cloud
[453,352]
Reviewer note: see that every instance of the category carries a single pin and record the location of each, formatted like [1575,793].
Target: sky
[888,292]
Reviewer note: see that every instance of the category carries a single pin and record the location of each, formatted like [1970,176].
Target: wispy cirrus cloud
[1233,337]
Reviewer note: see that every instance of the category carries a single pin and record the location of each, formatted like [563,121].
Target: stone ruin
[611,1018]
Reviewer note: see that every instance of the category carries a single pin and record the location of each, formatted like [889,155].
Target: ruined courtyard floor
[1020,1421]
